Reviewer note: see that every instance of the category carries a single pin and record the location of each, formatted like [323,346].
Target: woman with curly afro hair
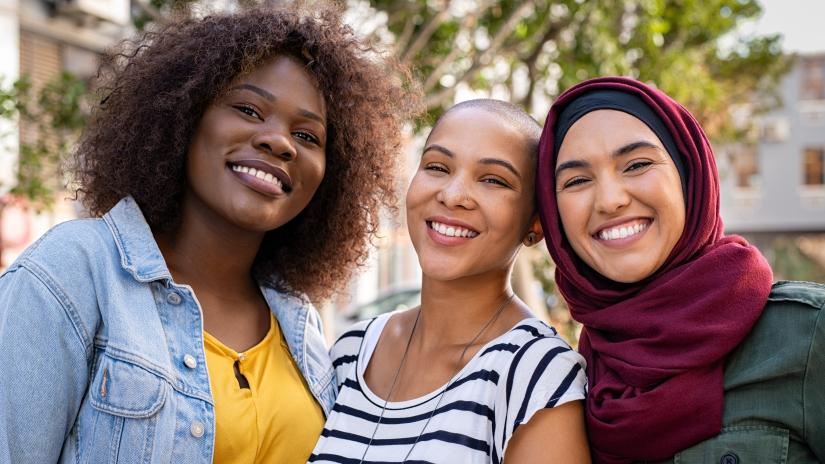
[235,170]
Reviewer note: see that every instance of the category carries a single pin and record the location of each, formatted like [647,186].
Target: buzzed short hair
[510,114]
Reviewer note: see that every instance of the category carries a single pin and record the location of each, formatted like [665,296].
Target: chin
[441,271]
[619,274]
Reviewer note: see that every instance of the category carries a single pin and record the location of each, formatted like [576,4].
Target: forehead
[478,132]
[285,77]
[602,132]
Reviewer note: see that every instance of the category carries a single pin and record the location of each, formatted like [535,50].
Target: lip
[622,242]
[443,239]
[260,185]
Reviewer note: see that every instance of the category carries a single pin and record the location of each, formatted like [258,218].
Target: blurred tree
[529,50]
[53,117]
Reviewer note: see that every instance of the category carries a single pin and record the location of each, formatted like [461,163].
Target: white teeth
[264,176]
[621,232]
[452,231]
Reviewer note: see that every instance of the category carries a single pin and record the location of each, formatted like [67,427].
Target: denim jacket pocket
[743,444]
[125,400]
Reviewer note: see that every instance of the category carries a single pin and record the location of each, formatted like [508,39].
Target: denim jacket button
[190,361]
[173,298]
[196,429]
[729,458]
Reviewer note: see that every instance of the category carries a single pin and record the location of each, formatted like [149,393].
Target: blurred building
[773,189]
[778,183]
[40,39]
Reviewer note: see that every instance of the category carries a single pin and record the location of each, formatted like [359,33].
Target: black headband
[627,103]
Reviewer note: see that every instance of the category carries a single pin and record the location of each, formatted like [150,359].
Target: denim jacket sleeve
[44,349]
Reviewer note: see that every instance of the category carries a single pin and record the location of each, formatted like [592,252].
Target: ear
[534,233]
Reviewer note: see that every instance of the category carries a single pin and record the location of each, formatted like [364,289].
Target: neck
[208,251]
[453,312]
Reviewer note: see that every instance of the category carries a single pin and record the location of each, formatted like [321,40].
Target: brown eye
[494,181]
[435,167]
[308,137]
[575,181]
[247,110]
[637,165]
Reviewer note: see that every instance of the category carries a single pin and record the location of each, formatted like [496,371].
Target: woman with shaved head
[469,376]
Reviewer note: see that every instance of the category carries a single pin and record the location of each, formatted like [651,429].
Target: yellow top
[276,419]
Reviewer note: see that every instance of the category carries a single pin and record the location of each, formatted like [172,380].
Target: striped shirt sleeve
[544,373]
[344,352]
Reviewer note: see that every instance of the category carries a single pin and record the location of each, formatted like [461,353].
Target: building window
[813,79]
[746,168]
[814,166]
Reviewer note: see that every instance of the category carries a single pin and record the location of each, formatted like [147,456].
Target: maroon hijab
[656,349]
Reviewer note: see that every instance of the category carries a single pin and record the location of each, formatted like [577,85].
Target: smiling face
[619,195]
[470,204]
[258,153]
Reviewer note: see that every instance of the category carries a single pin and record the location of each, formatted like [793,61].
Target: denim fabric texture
[93,338]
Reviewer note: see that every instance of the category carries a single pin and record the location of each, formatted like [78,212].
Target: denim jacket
[101,353]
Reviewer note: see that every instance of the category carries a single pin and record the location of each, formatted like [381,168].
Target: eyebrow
[271,98]
[501,162]
[496,161]
[621,151]
[255,89]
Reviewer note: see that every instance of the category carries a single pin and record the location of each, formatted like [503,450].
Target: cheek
[313,174]
[670,205]
[415,192]
[676,220]
[574,215]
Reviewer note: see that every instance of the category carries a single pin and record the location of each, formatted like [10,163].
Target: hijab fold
[656,349]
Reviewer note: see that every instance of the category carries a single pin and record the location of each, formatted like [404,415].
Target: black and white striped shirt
[524,370]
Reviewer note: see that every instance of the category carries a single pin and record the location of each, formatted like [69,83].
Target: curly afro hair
[156,88]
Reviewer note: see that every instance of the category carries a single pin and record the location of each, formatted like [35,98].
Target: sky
[801,22]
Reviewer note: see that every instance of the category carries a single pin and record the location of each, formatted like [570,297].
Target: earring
[531,237]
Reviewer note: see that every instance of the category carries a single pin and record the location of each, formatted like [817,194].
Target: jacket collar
[139,252]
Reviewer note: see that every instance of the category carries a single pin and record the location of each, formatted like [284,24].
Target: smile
[451,231]
[261,176]
[623,231]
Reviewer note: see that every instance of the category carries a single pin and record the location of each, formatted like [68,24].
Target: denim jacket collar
[139,252]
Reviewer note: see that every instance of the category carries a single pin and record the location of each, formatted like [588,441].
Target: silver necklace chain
[446,387]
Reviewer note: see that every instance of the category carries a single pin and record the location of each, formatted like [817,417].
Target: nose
[611,195]
[456,194]
[275,140]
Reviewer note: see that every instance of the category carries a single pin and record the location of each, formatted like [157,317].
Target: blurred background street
[752,71]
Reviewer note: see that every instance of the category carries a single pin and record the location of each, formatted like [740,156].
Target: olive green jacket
[774,386]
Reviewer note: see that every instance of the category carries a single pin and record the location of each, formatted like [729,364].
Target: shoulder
[60,275]
[544,372]
[70,256]
[533,338]
[790,328]
[345,349]
[793,310]
[68,243]
[543,360]
[355,331]
[808,294]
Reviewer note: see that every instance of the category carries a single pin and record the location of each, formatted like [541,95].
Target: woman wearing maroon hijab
[693,354]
